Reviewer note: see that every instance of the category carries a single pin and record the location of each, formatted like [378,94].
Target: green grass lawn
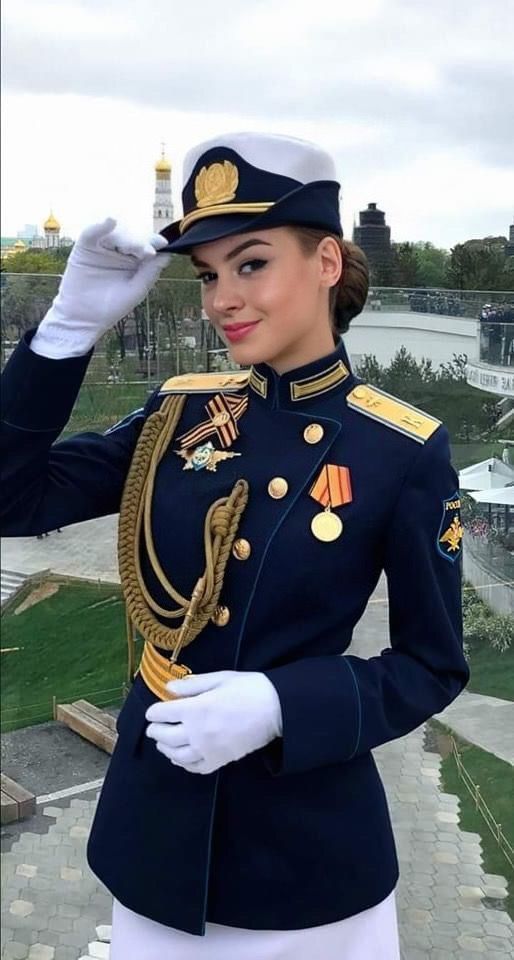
[492,673]
[72,645]
[496,781]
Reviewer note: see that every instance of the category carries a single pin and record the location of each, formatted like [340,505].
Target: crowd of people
[497,333]
[436,302]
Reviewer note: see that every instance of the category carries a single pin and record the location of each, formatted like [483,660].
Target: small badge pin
[204,457]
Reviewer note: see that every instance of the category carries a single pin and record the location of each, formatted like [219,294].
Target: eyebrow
[233,253]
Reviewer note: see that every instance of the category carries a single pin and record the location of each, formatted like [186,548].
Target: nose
[227,296]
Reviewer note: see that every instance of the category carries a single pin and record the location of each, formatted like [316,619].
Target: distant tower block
[163,204]
[52,229]
[509,246]
[373,236]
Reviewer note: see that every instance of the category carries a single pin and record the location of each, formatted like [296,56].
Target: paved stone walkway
[82,550]
[449,909]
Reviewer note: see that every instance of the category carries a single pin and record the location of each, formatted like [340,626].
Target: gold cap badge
[216,184]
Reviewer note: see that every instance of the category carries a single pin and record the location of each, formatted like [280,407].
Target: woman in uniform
[242,815]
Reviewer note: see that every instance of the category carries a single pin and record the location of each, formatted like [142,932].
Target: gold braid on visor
[202,212]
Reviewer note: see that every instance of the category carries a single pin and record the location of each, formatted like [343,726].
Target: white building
[163,204]
[424,335]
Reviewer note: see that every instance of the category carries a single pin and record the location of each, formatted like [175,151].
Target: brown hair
[348,296]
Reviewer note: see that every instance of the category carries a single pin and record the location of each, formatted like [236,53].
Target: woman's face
[267,299]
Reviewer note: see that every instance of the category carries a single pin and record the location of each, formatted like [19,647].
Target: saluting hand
[109,271]
[220,717]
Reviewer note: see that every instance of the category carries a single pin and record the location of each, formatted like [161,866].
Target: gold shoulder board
[206,382]
[393,413]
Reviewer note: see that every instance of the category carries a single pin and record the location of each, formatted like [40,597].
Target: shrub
[481,625]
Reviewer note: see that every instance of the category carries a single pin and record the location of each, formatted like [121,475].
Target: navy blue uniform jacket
[296,834]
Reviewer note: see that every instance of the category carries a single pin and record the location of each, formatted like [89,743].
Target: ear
[331,261]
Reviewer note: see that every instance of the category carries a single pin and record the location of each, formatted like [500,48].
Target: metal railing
[481,806]
[451,303]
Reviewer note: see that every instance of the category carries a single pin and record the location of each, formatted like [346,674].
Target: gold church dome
[51,223]
[163,165]
[19,245]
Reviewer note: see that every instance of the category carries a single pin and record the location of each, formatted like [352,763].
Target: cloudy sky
[412,97]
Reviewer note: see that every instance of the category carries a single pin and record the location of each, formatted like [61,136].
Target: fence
[168,334]
[38,712]
[490,568]
[482,807]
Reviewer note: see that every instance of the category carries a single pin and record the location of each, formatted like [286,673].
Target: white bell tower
[52,229]
[163,204]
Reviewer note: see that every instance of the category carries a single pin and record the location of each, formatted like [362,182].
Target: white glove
[109,271]
[219,717]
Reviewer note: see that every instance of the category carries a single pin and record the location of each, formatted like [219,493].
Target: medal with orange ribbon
[332,489]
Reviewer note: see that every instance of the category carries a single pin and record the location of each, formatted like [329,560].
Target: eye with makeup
[205,278]
[252,265]
[247,267]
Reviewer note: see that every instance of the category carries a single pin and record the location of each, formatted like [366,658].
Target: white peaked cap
[286,156]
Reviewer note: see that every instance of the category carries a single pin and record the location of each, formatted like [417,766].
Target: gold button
[221,616]
[241,549]
[277,488]
[360,393]
[313,433]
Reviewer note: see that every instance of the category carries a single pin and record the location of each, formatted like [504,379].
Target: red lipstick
[237,331]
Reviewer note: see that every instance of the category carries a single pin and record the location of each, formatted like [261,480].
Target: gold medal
[327,526]
[331,489]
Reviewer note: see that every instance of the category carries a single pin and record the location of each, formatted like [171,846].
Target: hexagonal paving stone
[21,908]
[14,950]
[40,951]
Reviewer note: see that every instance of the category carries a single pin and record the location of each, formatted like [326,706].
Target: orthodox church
[51,239]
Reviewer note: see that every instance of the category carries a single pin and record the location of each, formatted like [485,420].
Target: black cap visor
[314,205]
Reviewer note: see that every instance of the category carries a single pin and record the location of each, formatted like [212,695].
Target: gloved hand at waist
[109,271]
[219,717]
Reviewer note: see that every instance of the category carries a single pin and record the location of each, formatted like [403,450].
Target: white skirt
[372,933]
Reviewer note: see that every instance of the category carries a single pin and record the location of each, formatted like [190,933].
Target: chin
[246,354]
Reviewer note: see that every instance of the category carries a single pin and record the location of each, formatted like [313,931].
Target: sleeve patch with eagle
[451,531]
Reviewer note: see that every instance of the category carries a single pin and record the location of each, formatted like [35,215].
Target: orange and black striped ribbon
[333,487]
[224,412]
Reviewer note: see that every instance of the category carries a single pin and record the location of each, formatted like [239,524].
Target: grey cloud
[192,61]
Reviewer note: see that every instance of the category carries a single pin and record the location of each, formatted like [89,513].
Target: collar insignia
[307,387]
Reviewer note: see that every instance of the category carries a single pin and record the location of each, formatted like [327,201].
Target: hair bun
[352,289]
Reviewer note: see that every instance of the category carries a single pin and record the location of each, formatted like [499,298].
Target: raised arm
[47,484]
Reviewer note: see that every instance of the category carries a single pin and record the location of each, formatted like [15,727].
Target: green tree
[370,370]
[37,261]
[25,300]
[433,264]
[481,265]
[418,265]
[180,268]
[405,266]
[444,393]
